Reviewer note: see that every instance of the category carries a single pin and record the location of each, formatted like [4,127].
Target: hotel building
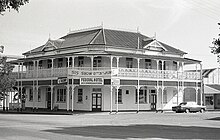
[98,69]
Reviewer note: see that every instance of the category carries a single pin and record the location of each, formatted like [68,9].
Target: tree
[216,47]
[7,81]
[11,4]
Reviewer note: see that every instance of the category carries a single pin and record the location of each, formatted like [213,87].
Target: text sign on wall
[61,80]
[88,73]
[91,81]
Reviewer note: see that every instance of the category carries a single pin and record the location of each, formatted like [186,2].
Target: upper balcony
[107,72]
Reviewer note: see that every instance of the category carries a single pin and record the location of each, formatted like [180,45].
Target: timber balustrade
[106,71]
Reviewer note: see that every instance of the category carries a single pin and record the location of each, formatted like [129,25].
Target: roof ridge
[85,30]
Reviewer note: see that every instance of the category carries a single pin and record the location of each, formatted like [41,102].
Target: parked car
[189,107]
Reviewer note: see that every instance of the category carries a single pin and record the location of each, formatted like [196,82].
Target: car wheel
[202,110]
[187,110]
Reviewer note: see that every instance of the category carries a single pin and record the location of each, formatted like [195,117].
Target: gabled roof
[206,72]
[101,36]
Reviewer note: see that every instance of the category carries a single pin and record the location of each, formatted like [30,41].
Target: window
[148,64]
[39,95]
[127,91]
[70,62]
[40,66]
[60,62]
[61,95]
[119,96]
[165,96]
[97,62]
[31,65]
[209,100]
[31,94]
[80,61]
[142,96]
[174,65]
[160,65]
[129,62]
[80,95]
[49,63]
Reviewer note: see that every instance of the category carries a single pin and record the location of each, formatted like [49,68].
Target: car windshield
[182,104]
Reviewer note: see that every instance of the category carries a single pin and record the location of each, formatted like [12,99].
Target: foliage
[216,47]
[11,4]
[6,79]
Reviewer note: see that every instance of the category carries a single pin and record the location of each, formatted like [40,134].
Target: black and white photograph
[109,69]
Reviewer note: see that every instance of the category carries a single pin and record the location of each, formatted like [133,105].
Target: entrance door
[48,98]
[97,102]
[153,101]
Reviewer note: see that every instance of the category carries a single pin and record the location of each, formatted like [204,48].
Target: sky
[189,25]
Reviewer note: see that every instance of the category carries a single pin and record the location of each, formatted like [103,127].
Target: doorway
[48,97]
[153,101]
[97,102]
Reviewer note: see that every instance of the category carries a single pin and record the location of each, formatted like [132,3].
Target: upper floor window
[40,66]
[174,65]
[162,65]
[49,63]
[80,61]
[60,62]
[97,62]
[129,62]
[31,65]
[148,64]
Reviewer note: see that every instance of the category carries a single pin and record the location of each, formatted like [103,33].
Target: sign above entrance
[61,80]
[91,81]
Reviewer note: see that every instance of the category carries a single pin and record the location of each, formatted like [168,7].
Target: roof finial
[69,30]
[49,36]
[102,24]
[138,30]
[155,36]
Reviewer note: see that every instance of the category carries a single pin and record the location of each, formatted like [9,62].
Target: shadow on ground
[141,131]
[215,119]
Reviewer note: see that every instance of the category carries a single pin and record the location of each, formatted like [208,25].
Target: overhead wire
[199,11]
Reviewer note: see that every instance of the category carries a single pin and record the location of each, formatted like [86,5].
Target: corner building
[97,69]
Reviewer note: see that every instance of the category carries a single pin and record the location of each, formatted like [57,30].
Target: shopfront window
[142,96]
[209,100]
[61,95]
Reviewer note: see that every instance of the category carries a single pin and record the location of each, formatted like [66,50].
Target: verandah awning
[212,89]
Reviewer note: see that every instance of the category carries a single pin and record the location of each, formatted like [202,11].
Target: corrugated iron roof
[109,37]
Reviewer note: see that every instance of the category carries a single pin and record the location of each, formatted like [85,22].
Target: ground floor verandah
[107,97]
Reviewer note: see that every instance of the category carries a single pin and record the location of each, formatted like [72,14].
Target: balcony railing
[106,72]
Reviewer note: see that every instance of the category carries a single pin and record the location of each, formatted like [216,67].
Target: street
[145,125]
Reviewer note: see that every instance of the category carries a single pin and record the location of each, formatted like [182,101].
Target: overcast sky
[189,25]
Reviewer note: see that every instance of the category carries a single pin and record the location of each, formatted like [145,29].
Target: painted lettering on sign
[89,73]
[61,80]
[91,81]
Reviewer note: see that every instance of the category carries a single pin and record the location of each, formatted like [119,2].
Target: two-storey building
[98,69]
[211,78]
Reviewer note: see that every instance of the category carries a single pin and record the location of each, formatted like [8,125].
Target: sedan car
[189,107]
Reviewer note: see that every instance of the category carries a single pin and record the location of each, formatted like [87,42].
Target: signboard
[91,81]
[62,80]
[74,72]
[115,81]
